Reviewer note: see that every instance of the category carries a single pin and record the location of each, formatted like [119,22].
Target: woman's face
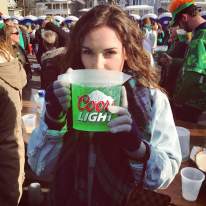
[103,49]
[14,36]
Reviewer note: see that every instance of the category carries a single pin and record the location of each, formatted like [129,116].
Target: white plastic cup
[29,121]
[192,179]
[184,139]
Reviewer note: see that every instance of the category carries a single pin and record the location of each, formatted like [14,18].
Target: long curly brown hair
[138,61]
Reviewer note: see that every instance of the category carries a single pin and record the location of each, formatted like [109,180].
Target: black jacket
[50,67]
[62,36]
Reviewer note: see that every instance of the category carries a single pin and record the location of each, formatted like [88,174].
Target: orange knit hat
[176,6]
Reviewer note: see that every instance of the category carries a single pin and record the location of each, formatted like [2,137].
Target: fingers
[69,70]
[66,77]
[122,123]
[62,92]
[162,57]
[125,119]
[118,110]
[61,83]
[65,102]
[166,57]
[124,97]
[61,88]
[164,60]
[123,109]
[121,128]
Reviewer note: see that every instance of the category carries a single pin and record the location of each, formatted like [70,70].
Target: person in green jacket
[189,100]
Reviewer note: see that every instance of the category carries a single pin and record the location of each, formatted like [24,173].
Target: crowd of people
[95,168]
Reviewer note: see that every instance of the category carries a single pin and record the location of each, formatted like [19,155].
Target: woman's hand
[164,59]
[127,136]
[62,92]
[123,122]
[123,126]
[58,98]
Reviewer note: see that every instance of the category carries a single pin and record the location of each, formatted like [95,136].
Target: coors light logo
[94,107]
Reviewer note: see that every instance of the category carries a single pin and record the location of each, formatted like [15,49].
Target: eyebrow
[84,47]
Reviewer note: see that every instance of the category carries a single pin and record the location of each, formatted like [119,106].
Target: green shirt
[196,56]
[1,25]
[21,40]
[191,85]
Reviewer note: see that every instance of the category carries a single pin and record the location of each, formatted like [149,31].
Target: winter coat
[50,66]
[12,80]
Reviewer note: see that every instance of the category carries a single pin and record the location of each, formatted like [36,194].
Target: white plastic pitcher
[93,91]
[94,77]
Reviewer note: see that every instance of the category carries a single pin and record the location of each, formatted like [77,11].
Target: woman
[12,80]
[13,32]
[102,169]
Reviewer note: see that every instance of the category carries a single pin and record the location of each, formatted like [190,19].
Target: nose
[99,62]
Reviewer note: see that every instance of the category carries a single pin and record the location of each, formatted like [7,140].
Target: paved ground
[34,83]
[32,86]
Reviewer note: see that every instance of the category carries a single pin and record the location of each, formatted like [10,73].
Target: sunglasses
[17,33]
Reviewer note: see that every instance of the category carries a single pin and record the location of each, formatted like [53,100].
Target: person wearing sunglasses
[16,33]
[15,36]
[13,33]
[12,154]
